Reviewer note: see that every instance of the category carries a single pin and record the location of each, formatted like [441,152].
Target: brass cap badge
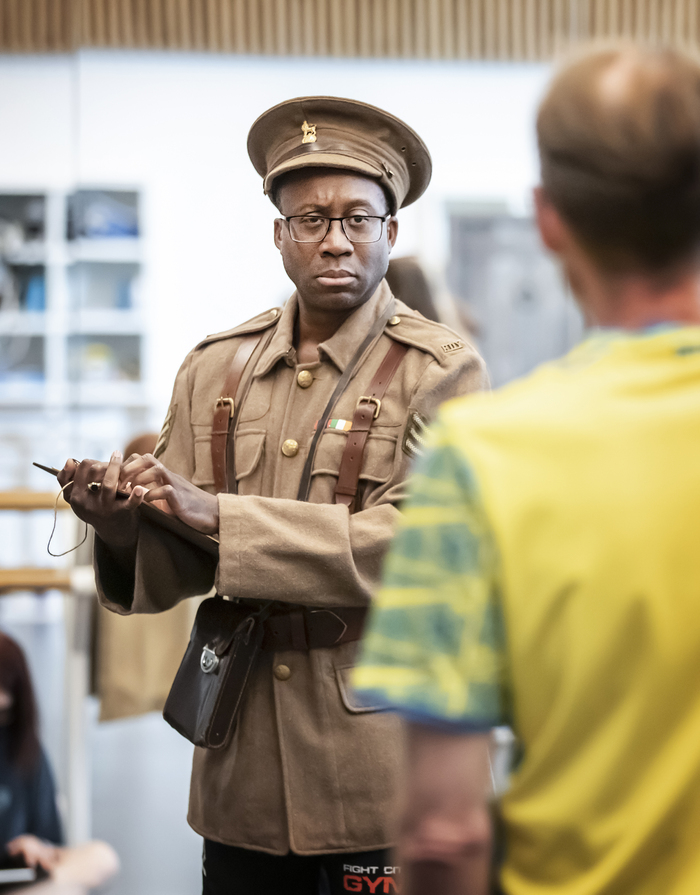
[309,131]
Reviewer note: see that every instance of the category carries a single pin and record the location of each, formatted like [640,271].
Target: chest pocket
[257,402]
[250,452]
[250,447]
[377,459]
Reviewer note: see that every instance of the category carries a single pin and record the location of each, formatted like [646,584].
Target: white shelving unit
[73,334]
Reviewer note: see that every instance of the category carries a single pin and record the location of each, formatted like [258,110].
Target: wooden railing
[26,578]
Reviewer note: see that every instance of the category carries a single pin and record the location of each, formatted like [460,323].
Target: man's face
[333,275]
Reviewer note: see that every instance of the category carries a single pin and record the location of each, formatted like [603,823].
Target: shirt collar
[341,346]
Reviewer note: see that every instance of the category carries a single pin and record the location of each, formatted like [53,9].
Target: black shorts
[228,870]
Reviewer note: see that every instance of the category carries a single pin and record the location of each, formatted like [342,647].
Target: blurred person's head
[619,142]
[408,282]
[18,715]
[142,444]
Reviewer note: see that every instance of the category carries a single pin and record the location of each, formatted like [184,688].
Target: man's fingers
[164,492]
[111,476]
[146,477]
[66,474]
[136,497]
[88,471]
[135,464]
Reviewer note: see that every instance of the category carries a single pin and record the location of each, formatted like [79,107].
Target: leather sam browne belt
[304,628]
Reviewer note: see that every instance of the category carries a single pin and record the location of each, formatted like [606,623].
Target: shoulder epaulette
[255,324]
[412,328]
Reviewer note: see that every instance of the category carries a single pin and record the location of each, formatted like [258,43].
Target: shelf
[19,392]
[22,323]
[124,249]
[106,322]
[31,253]
[108,394]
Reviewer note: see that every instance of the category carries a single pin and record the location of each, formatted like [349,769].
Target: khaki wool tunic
[307,769]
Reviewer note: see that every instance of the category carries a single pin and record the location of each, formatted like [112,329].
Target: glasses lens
[308,228]
[362,228]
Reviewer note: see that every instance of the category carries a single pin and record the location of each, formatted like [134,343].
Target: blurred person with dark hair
[27,792]
[407,280]
[30,828]
[546,572]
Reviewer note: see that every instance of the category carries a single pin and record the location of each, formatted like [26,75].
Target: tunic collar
[341,346]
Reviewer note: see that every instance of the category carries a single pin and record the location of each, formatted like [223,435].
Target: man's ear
[553,230]
[279,224]
[392,231]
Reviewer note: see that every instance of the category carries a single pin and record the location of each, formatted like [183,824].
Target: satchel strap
[367,410]
[224,409]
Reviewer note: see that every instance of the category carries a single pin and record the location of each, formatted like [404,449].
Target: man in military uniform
[340,384]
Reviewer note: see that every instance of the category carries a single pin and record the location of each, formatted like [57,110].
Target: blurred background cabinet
[512,288]
[72,328]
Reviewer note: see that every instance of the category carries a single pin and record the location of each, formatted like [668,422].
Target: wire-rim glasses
[357,228]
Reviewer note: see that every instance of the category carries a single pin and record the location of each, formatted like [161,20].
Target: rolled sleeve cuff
[231,545]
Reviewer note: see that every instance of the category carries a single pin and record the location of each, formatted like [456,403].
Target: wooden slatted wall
[409,29]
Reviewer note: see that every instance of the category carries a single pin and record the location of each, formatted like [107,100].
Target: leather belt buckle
[220,402]
[368,399]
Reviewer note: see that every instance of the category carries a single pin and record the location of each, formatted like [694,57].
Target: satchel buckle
[370,399]
[209,661]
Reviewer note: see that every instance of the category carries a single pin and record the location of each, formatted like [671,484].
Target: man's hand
[35,852]
[197,508]
[445,836]
[114,519]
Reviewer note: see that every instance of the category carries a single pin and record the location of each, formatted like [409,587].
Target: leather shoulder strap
[367,410]
[348,373]
[224,409]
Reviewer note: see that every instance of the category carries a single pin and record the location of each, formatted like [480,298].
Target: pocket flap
[377,458]
[349,697]
[249,450]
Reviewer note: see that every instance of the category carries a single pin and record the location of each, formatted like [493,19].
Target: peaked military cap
[330,132]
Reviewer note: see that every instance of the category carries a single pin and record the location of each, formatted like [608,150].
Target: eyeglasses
[358,228]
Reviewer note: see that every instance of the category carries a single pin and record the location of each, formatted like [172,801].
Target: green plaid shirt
[434,648]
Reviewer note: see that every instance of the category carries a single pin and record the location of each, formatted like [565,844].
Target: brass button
[290,448]
[304,379]
[394,320]
[282,672]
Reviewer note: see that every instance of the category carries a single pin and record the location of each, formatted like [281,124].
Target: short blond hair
[619,141]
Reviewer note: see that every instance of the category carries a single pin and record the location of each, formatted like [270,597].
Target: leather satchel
[206,694]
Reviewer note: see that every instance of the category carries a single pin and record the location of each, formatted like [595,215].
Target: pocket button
[282,672]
